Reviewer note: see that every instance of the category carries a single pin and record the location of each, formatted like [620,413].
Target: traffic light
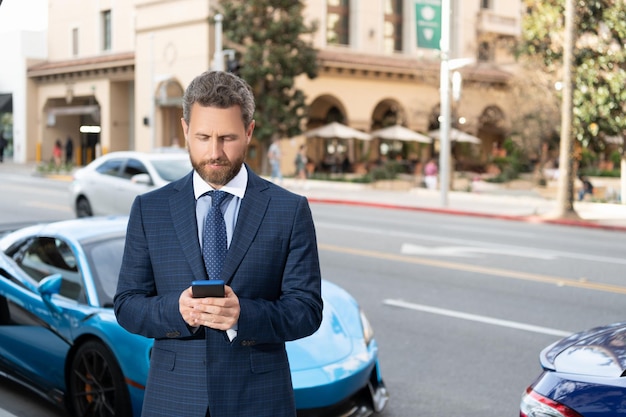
[233,65]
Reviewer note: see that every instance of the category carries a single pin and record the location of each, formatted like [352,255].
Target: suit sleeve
[138,308]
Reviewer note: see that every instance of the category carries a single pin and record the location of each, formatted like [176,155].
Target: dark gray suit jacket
[273,267]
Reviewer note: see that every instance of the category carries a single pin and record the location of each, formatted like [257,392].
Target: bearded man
[220,356]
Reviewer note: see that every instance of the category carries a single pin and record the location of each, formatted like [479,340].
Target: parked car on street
[584,375]
[110,183]
[60,338]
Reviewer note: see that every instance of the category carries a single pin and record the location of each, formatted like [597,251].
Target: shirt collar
[236,186]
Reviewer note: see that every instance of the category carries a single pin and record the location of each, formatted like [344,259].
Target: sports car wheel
[96,385]
[83,208]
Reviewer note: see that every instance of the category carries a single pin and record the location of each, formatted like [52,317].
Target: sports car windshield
[105,261]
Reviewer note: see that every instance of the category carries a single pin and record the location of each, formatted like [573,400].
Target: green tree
[599,96]
[274,46]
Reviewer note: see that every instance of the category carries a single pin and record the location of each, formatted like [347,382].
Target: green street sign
[428,23]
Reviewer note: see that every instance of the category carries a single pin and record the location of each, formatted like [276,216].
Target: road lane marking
[41,204]
[477,318]
[494,232]
[468,251]
[498,272]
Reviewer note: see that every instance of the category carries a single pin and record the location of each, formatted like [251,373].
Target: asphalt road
[26,199]
[461,306]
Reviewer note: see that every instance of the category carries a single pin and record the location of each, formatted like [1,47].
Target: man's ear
[185,127]
[249,131]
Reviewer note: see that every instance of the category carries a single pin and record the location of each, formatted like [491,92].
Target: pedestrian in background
[220,357]
[430,174]
[57,154]
[69,151]
[587,188]
[300,162]
[274,156]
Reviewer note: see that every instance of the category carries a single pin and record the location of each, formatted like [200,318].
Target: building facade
[19,49]
[116,71]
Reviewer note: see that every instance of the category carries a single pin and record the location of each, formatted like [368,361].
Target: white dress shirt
[237,188]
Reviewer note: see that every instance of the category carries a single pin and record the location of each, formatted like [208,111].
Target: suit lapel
[251,214]
[183,209]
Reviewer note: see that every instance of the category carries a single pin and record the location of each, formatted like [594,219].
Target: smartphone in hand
[207,288]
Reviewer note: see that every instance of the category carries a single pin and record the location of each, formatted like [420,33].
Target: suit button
[172,334]
[248,343]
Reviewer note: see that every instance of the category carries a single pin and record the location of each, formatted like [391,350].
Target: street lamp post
[218,56]
[447,65]
[444,114]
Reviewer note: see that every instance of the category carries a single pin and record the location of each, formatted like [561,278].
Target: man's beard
[228,170]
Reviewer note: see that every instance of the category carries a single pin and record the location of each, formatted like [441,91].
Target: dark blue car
[583,375]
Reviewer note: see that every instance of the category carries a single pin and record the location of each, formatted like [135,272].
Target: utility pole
[444,113]
[565,197]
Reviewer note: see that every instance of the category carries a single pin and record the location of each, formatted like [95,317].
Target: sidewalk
[495,202]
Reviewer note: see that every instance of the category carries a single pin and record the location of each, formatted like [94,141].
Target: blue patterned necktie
[214,240]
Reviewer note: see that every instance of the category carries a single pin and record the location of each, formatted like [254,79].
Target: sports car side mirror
[49,286]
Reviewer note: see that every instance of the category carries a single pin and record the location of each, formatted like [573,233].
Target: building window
[106,30]
[75,42]
[485,4]
[337,22]
[393,25]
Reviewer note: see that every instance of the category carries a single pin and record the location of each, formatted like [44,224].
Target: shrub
[511,165]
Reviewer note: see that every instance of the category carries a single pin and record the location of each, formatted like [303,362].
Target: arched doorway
[491,130]
[324,153]
[389,112]
[169,102]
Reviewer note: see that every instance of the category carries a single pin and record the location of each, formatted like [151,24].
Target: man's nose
[216,147]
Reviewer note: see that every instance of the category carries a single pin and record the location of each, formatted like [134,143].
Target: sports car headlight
[368,331]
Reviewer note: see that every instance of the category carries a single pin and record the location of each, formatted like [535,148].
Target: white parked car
[109,184]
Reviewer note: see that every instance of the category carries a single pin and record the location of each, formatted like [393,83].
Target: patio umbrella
[402,133]
[336,130]
[614,140]
[456,135]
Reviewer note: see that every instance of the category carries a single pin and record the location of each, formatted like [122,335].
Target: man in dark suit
[222,357]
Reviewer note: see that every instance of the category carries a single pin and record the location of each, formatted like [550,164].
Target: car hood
[334,341]
[600,351]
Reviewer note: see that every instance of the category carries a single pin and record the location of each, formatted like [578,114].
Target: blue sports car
[59,336]
[584,375]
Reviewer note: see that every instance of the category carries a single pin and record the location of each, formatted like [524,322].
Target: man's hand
[220,313]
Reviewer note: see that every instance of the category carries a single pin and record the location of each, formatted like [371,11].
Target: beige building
[116,72]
